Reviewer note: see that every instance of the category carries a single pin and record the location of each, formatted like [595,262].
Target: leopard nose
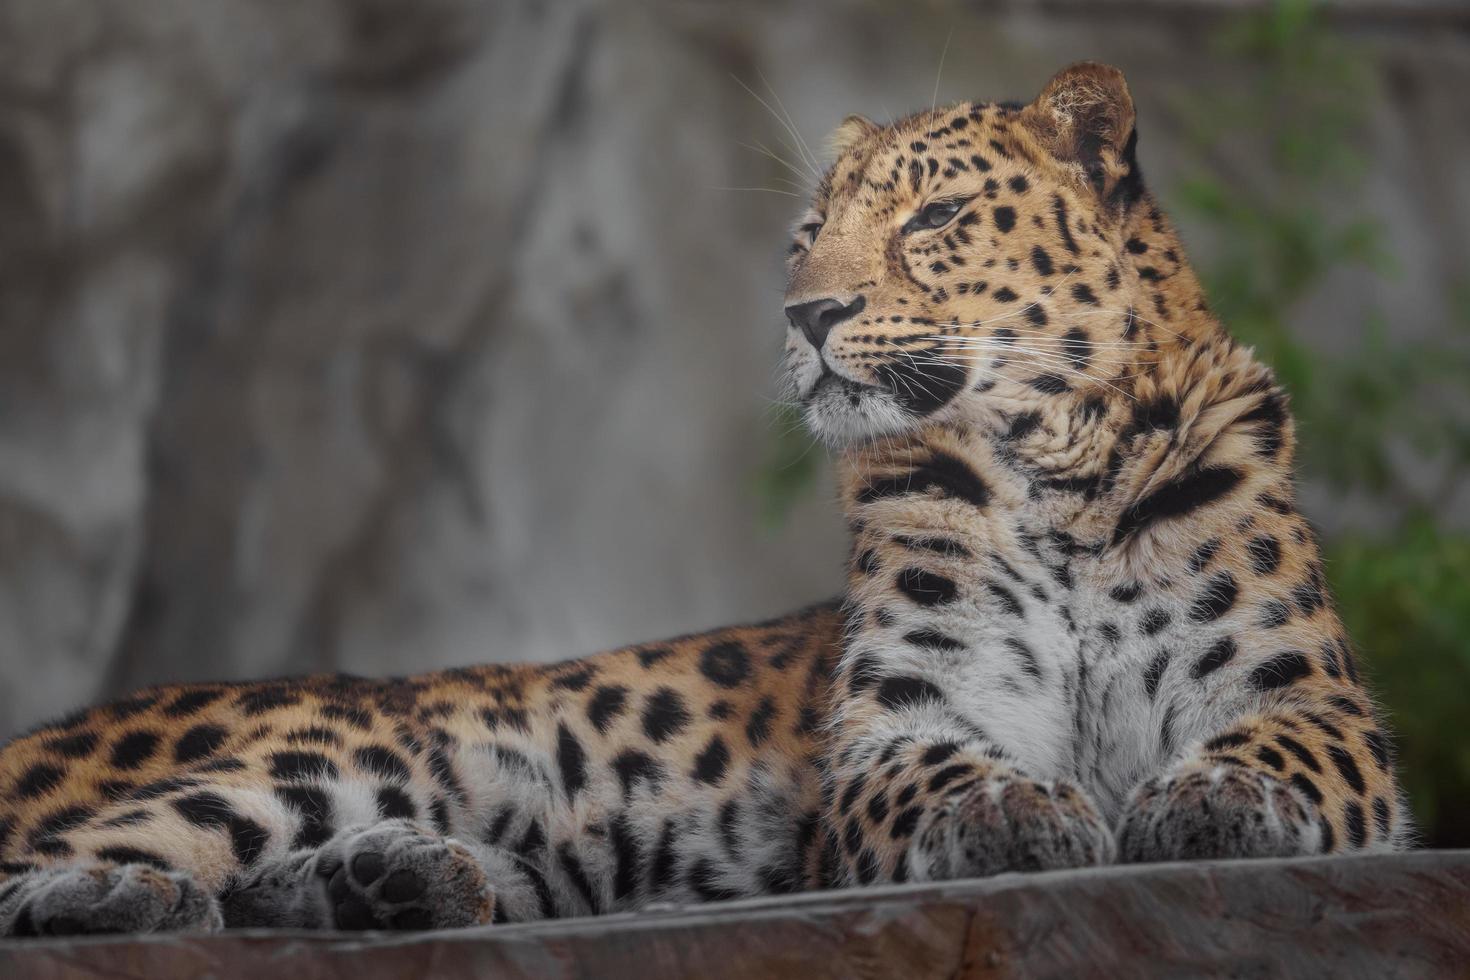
[817,318]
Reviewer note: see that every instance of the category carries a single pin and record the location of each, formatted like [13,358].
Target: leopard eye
[810,230]
[935,215]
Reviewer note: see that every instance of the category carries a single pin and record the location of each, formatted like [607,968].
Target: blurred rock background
[387,335]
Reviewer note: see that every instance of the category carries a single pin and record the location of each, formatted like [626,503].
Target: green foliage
[1381,419]
[1406,601]
[792,463]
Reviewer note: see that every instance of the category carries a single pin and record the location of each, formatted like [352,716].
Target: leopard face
[961,259]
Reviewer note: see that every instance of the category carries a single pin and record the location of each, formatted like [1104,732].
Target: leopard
[1083,621]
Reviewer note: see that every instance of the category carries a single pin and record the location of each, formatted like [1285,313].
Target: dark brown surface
[1381,916]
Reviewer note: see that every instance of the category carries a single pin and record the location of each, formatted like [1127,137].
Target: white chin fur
[832,417]
[831,414]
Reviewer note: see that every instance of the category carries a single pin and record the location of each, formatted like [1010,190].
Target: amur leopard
[1083,620]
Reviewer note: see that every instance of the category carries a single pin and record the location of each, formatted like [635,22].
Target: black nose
[817,318]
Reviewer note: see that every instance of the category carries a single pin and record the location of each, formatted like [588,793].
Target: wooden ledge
[1370,916]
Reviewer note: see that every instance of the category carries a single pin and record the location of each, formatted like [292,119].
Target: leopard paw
[395,876]
[1219,811]
[129,898]
[388,875]
[1011,823]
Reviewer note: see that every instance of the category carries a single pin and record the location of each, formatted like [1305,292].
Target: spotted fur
[1083,621]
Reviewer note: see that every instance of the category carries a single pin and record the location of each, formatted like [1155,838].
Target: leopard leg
[917,805]
[1313,775]
[100,897]
[951,732]
[160,859]
[154,862]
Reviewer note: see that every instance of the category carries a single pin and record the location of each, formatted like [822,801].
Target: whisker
[1005,348]
[790,120]
[1049,367]
[1039,332]
[777,116]
[764,150]
[934,102]
[791,124]
[775,407]
[1113,311]
[919,374]
[768,190]
[991,321]
[786,145]
[1055,367]
[1002,346]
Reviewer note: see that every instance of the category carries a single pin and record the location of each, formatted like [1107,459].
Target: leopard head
[965,259]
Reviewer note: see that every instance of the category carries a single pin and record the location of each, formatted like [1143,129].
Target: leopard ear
[1084,116]
[852,131]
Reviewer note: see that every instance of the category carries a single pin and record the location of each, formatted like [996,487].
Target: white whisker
[791,126]
[764,150]
[1052,367]
[1003,348]
[934,102]
[800,147]
[768,190]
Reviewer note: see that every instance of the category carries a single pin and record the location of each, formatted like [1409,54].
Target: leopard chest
[1035,649]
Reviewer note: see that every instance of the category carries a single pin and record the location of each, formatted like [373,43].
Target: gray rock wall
[385,335]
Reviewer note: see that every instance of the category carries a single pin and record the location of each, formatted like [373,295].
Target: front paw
[1012,823]
[1217,811]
